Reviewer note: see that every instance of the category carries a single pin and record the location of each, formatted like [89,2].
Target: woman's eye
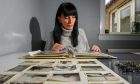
[66,17]
[73,17]
[69,17]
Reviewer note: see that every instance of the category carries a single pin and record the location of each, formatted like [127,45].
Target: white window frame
[132,15]
[111,19]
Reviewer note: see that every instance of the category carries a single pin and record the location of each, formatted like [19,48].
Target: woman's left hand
[95,48]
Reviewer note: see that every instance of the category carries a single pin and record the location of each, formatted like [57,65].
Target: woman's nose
[70,20]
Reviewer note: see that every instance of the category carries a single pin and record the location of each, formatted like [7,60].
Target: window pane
[114,22]
[137,11]
[125,20]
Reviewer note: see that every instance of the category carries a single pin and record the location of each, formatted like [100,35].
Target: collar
[66,32]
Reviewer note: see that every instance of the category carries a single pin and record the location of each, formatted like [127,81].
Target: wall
[15,17]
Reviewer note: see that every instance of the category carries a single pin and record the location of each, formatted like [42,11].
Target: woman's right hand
[57,47]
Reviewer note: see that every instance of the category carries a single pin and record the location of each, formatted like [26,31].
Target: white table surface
[10,61]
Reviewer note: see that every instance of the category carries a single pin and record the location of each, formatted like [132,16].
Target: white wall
[15,17]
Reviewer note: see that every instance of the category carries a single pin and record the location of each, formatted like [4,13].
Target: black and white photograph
[19,68]
[30,62]
[101,77]
[66,63]
[65,68]
[47,63]
[86,62]
[64,77]
[5,77]
[41,69]
[30,78]
[91,68]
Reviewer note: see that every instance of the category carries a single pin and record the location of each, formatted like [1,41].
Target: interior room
[112,25]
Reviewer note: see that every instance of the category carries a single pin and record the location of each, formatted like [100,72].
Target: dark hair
[66,9]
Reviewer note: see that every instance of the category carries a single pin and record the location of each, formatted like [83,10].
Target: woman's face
[67,22]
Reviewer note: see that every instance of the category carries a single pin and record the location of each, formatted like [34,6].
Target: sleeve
[85,40]
[49,41]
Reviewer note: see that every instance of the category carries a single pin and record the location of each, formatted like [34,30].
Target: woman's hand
[95,48]
[57,47]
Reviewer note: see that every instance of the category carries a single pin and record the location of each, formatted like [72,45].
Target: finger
[57,47]
[96,49]
[60,47]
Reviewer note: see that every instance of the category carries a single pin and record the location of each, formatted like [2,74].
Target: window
[125,16]
[122,18]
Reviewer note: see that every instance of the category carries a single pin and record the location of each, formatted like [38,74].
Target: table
[133,78]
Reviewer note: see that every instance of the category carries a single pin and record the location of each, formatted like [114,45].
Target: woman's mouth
[70,25]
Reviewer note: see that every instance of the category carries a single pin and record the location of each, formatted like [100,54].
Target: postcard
[45,57]
[93,55]
[51,52]
[95,77]
[19,68]
[66,63]
[5,77]
[30,78]
[65,68]
[110,77]
[64,77]
[101,77]
[29,62]
[91,68]
[86,62]
[47,63]
[41,69]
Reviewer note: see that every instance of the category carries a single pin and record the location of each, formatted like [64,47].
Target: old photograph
[91,68]
[101,77]
[19,68]
[65,68]
[64,77]
[41,69]
[86,62]
[5,77]
[29,78]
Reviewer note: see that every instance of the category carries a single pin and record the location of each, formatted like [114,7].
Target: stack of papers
[65,55]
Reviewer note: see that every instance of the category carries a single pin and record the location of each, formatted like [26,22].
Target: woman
[66,32]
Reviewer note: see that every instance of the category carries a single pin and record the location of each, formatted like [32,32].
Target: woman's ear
[59,18]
